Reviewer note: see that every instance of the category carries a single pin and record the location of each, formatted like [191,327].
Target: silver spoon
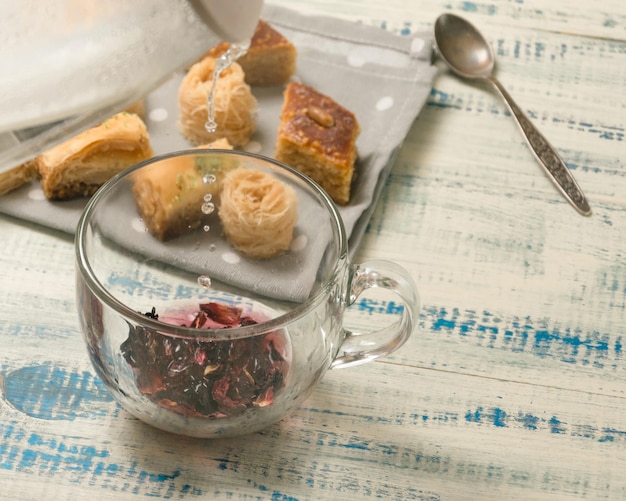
[469,55]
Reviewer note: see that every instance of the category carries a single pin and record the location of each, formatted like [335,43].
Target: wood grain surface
[513,386]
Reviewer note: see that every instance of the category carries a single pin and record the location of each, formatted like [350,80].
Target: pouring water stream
[469,55]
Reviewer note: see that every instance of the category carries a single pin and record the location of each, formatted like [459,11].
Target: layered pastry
[234,106]
[269,60]
[317,136]
[258,212]
[79,166]
[177,195]
[14,178]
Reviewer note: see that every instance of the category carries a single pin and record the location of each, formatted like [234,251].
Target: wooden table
[514,384]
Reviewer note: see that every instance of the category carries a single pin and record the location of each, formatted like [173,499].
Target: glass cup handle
[358,348]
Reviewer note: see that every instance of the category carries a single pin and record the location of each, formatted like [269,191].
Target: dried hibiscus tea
[223,314]
[208,378]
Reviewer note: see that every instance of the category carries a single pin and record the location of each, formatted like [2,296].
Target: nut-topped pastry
[270,59]
[318,136]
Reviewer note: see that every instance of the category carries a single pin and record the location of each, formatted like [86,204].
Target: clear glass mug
[192,326]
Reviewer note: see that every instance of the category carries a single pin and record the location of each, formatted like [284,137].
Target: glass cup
[211,291]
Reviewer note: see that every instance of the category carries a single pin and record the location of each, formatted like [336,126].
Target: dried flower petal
[212,379]
[267,398]
[222,313]
[199,320]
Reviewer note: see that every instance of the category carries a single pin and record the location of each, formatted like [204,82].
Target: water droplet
[204,281]
[206,227]
[208,178]
[225,60]
[138,225]
[210,126]
[212,248]
[208,208]
[208,197]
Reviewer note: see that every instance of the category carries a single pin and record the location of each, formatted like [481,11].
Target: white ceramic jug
[67,64]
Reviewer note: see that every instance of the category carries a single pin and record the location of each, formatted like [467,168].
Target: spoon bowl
[463,48]
[468,54]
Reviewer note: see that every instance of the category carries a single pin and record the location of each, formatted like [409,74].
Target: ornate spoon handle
[546,155]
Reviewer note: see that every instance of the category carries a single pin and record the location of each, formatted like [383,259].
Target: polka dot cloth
[158,115]
[383,78]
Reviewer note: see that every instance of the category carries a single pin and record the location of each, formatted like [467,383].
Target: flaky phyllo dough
[169,193]
[80,165]
[258,212]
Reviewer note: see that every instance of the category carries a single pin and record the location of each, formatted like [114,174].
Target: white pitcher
[68,64]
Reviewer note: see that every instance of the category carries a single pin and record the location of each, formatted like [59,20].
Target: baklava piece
[18,176]
[318,137]
[270,59]
[80,165]
[179,194]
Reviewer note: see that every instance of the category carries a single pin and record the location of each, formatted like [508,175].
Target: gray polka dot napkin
[383,78]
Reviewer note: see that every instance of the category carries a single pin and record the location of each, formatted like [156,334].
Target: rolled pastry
[258,212]
[234,105]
